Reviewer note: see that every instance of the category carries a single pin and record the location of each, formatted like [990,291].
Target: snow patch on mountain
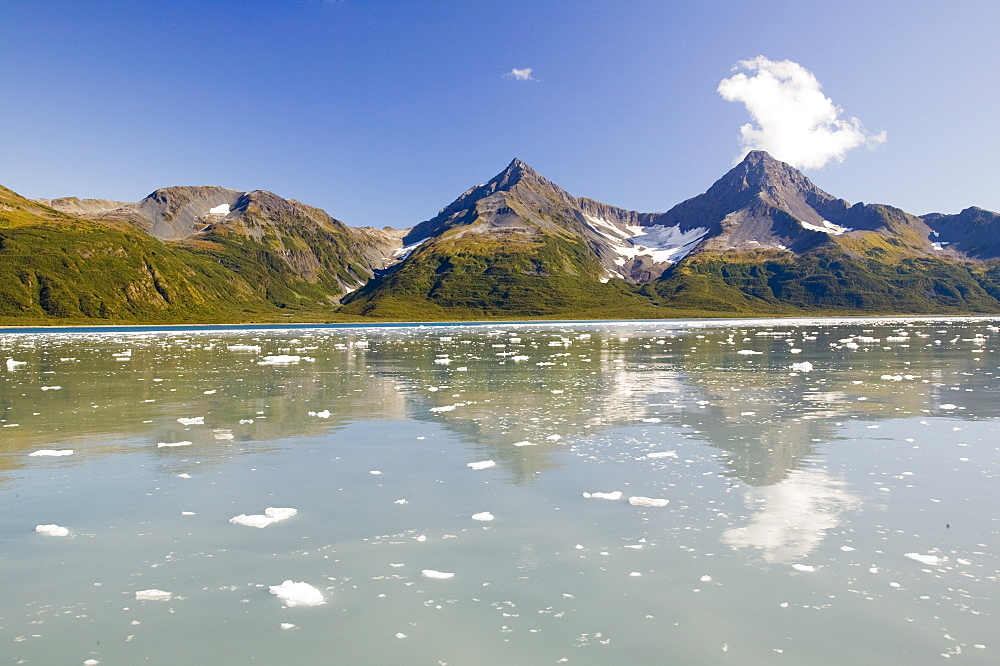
[662,244]
[827,227]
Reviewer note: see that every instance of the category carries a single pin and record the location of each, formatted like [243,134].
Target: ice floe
[193,420]
[924,559]
[804,366]
[484,516]
[153,595]
[297,594]
[431,573]
[481,465]
[52,452]
[163,445]
[279,359]
[52,530]
[639,500]
[662,454]
[613,495]
[271,515]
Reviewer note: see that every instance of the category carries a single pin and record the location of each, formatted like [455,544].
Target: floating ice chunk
[271,515]
[948,405]
[297,594]
[245,421]
[525,443]
[442,361]
[485,516]
[256,520]
[401,501]
[554,438]
[748,352]
[183,475]
[651,420]
[91,662]
[12,364]
[400,635]
[187,513]
[162,445]
[153,595]
[481,465]
[244,348]
[639,500]
[445,408]
[279,359]
[280,513]
[614,495]
[924,559]
[52,530]
[194,420]
[51,388]
[804,366]
[662,454]
[374,471]
[52,452]
[287,625]
[808,568]
[518,359]
[705,579]
[431,573]
[635,574]
[847,549]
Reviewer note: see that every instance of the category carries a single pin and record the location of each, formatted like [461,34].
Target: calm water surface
[831,494]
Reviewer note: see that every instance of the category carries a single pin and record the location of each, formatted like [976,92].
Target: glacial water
[801,492]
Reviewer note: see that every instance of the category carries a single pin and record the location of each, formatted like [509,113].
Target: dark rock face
[974,232]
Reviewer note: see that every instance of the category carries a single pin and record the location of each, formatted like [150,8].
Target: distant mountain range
[761,240]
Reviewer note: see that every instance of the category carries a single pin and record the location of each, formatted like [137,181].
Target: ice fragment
[297,594]
[52,530]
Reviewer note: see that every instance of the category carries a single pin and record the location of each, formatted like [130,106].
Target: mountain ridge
[763,238]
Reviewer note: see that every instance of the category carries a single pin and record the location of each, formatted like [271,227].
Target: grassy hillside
[829,279]
[55,268]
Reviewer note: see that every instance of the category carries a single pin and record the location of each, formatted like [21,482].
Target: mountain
[763,239]
[520,245]
[517,245]
[181,253]
[777,243]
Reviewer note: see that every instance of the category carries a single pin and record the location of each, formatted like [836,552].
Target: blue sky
[383,112]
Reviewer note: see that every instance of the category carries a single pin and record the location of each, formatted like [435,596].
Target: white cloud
[521,74]
[795,121]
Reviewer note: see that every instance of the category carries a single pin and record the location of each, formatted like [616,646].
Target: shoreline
[680,322]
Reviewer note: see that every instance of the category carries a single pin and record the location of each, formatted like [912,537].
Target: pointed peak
[759,157]
[518,167]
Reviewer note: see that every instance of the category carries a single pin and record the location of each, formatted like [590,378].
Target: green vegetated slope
[476,278]
[830,280]
[55,268]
